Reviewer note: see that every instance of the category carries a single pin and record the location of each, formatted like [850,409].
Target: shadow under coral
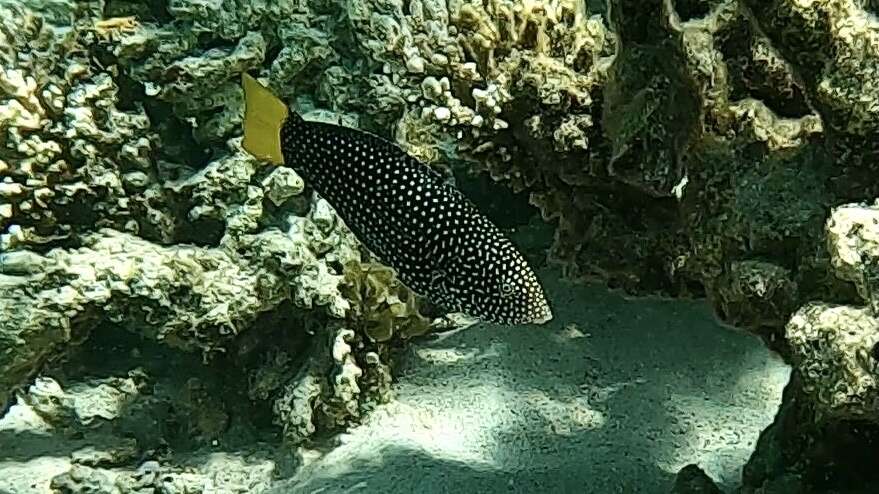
[122,402]
[614,395]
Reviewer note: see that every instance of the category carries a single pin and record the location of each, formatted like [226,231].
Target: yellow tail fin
[264,114]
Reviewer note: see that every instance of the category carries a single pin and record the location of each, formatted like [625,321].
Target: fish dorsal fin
[264,115]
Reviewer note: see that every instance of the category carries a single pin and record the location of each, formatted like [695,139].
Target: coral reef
[71,158]
[723,148]
[127,200]
[836,347]
[837,366]
[853,242]
[694,151]
[827,431]
[125,414]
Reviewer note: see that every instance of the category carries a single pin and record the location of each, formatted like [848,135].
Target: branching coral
[70,158]
[337,383]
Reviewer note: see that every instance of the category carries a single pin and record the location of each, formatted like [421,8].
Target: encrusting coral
[836,347]
[112,214]
[827,430]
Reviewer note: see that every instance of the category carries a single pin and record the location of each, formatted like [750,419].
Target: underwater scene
[439,246]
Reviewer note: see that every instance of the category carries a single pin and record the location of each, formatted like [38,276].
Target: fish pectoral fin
[264,115]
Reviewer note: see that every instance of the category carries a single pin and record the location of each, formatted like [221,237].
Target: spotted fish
[402,211]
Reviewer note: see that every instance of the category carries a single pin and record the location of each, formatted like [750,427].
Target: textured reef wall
[688,147]
[127,200]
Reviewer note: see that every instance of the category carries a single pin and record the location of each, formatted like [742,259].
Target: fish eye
[506,289]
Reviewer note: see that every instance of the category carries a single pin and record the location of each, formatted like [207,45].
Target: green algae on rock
[382,303]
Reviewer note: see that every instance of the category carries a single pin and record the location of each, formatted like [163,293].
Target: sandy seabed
[614,395]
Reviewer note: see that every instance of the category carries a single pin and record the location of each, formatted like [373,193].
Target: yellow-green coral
[381,304]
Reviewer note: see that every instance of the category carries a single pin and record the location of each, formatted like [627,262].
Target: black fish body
[408,216]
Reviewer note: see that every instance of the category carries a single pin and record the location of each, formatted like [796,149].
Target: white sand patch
[614,395]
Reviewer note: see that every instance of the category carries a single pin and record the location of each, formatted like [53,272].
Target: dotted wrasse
[402,211]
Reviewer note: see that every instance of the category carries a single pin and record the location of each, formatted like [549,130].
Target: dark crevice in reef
[633,220]
[597,7]
[79,211]
[273,50]
[528,39]
[277,216]
[181,404]
[801,41]
[178,144]
[210,41]
[638,21]
[507,209]
[749,79]
[131,93]
[144,10]
[693,9]
[800,452]
[203,232]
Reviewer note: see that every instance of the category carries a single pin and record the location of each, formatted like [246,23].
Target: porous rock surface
[116,210]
